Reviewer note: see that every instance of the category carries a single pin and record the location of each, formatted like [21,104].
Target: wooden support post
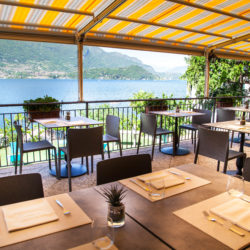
[80,70]
[207,68]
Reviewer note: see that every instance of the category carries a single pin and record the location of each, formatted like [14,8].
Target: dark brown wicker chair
[196,122]
[246,170]
[215,144]
[32,147]
[112,132]
[81,143]
[149,126]
[19,188]
[122,167]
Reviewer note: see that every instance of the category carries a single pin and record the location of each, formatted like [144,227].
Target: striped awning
[179,26]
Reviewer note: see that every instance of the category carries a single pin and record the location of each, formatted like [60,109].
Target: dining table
[148,225]
[57,123]
[176,150]
[235,126]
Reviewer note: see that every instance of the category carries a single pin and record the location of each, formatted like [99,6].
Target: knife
[172,172]
[140,185]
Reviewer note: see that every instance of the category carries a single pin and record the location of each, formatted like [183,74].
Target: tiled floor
[53,186]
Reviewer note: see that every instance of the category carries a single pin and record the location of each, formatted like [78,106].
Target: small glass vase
[117,215]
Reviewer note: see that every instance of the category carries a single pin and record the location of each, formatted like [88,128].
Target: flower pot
[227,102]
[40,115]
[116,216]
[155,108]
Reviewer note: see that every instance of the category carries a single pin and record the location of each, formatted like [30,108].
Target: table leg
[175,150]
[239,162]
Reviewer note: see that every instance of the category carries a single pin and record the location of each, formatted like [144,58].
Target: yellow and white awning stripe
[198,24]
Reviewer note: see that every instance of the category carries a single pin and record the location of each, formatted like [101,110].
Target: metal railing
[128,111]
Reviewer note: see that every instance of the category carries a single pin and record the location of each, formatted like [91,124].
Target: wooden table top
[173,113]
[131,236]
[158,216]
[240,108]
[61,122]
[231,125]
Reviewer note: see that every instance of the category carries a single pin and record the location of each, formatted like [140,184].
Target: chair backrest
[213,144]
[148,123]
[246,170]
[201,119]
[224,115]
[113,125]
[18,129]
[84,142]
[19,188]
[122,167]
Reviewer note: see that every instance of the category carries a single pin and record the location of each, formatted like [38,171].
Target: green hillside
[47,60]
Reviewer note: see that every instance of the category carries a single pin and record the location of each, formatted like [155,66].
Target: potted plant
[228,90]
[155,105]
[42,111]
[116,209]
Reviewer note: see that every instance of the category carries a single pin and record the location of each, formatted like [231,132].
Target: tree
[222,72]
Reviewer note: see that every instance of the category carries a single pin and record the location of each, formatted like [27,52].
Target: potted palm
[116,209]
[42,111]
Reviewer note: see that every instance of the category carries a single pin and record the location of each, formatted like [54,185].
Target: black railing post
[214,110]
[87,109]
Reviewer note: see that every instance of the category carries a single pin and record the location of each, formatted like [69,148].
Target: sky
[161,62]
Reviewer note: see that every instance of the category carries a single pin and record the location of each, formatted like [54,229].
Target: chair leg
[192,136]
[218,166]
[196,156]
[69,174]
[58,174]
[82,160]
[232,139]
[16,157]
[49,159]
[59,164]
[160,144]
[153,148]
[92,163]
[194,141]
[225,167]
[87,164]
[108,150]
[120,147]
[139,142]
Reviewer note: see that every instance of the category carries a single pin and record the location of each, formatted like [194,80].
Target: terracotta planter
[224,103]
[40,115]
[155,108]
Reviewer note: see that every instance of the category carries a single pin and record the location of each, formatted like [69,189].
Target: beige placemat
[194,182]
[28,214]
[194,215]
[76,218]
[90,246]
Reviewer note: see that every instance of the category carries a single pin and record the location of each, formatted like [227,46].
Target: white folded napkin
[236,211]
[160,180]
[28,214]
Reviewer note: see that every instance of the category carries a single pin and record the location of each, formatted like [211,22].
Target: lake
[18,90]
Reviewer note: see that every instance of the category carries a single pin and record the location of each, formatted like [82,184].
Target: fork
[65,212]
[227,223]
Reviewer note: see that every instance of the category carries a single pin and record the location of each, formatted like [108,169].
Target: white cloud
[158,60]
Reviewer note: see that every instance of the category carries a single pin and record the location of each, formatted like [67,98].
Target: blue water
[18,90]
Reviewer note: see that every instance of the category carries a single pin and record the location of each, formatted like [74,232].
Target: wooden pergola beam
[37,25]
[45,7]
[97,19]
[202,7]
[166,26]
[80,69]
[234,40]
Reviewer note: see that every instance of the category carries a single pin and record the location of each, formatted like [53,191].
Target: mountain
[47,60]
